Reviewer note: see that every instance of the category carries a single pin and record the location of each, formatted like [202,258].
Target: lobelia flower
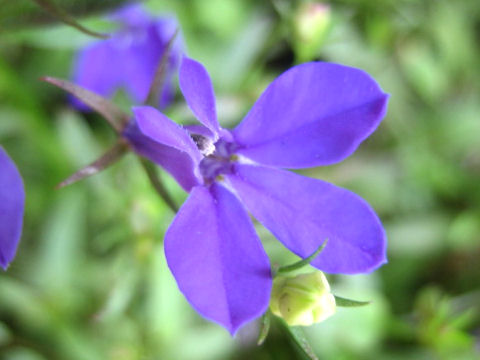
[12,201]
[313,114]
[129,58]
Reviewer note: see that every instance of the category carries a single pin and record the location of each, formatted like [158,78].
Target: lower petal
[217,258]
[303,212]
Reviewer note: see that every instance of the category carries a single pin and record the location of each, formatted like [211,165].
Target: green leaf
[299,338]
[302,263]
[343,302]
[265,328]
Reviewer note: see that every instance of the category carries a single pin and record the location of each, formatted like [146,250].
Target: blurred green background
[90,280]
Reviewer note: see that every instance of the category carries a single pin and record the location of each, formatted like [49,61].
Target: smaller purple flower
[314,114]
[129,58]
[12,201]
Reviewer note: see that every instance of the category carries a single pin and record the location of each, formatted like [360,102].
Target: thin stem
[107,159]
[61,14]
[158,184]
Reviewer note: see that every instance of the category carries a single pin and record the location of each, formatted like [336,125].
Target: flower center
[218,160]
[204,144]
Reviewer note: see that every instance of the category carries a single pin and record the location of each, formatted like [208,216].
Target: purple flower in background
[313,114]
[12,200]
[129,58]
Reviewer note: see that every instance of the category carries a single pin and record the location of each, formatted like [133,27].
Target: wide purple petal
[142,57]
[129,59]
[217,258]
[158,138]
[303,212]
[95,70]
[133,15]
[313,114]
[12,200]
[198,91]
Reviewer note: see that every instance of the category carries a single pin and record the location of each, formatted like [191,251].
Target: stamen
[204,144]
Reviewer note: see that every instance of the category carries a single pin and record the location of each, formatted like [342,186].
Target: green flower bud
[310,27]
[302,300]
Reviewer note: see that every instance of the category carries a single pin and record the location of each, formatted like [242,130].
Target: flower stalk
[64,16]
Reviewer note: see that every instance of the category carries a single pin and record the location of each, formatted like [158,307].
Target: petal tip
[4,266]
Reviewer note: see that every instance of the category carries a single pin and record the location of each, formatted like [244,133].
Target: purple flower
[12,200]
[129,58]
[313,114]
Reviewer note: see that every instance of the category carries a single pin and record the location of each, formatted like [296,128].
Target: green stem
[56,11]
[158,184]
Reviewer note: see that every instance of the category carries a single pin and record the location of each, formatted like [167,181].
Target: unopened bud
[310,27]
[302,300]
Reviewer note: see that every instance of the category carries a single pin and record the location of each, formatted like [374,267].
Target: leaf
[115,117]
[265,328]
[299,338]
[343,302]
[303,262]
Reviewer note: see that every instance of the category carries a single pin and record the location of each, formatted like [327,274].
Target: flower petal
[158,138]
[136,50]
[303,212]
[94,69]
[198,91]
[131,15]
[12,201]
[217,258]
[313,114]
[161,129]
[142,57]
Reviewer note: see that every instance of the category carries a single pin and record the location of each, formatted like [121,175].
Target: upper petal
[131,15]
[129,58]
[95,70]
[197,89]
[303,212]
[217,258]
[313,114]
[142,57]
[158,138]
[12,201]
